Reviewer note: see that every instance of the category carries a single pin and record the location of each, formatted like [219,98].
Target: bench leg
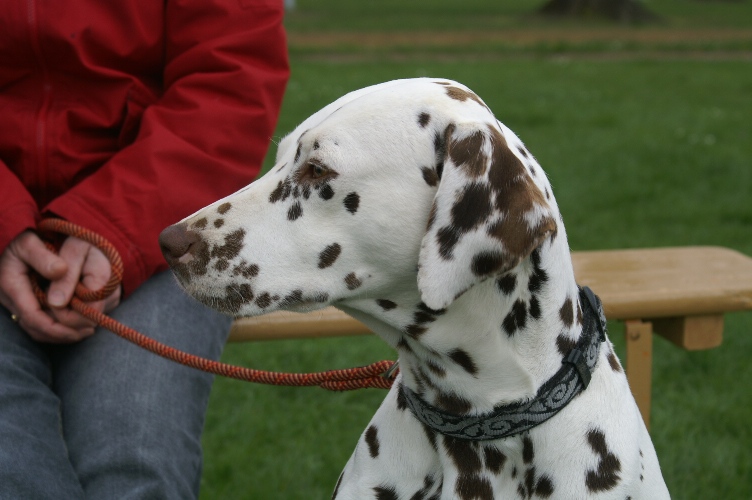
[639,336]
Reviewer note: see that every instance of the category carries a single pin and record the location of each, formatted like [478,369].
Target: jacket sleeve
[17,206]
[226,69]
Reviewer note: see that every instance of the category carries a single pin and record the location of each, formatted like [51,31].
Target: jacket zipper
[39,160]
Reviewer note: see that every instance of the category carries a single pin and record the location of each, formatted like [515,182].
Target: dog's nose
[176,242]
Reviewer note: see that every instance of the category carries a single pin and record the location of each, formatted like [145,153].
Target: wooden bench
[680,293]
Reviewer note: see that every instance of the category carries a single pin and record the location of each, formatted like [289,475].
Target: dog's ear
[487,216]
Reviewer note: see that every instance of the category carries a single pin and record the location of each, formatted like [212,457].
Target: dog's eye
[317,171]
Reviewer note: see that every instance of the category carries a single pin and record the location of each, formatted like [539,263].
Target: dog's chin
[241,302]
[305,307]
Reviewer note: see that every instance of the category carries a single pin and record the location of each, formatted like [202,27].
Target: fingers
[31,250]
[74,253]
[78,261]
[43,328]
[88,265]
[24,253]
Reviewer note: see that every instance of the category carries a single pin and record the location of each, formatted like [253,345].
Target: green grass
[428,15]
[641,153]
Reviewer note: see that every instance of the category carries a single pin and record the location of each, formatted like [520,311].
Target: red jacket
[125,116]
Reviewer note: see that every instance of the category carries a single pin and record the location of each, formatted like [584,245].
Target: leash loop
[378,375]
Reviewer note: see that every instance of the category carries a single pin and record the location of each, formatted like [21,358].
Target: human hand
[78,261]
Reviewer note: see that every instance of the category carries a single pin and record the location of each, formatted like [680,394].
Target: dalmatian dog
[409,206]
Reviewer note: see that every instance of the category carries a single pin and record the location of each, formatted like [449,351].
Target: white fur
[375,143]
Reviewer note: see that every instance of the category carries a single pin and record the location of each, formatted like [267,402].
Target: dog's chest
[397,457]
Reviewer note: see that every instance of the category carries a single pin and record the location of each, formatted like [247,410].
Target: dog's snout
[176,242]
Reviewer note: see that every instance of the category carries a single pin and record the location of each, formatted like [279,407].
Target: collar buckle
[577,359]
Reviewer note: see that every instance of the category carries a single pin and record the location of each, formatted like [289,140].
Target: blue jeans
[103,418]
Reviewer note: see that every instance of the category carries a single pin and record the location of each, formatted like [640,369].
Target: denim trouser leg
[33,454]
[132,421]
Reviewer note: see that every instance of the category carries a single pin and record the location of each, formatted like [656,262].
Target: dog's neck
[497,343]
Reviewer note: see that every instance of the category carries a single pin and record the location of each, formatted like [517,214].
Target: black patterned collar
[506,420]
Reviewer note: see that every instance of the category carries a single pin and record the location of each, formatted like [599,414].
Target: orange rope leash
[379,374]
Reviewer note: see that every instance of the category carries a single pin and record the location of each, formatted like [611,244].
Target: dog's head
[403,176]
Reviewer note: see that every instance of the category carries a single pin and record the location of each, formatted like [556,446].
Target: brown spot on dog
[539,277]
[295,212]
[435,312]
[486,263]
[544,487]
[245,270]
[472,208]
[372,440]
[435,369]
[386,304]
[566,313]
[565,344]
[415,330]
[494,458]
[352,281]
[200,224]
[385,493]
[463,95]
[281,192]
[224,208]
[516,318]
[326,192]
[232,247]
[329,255]
[473,487]
[424,119]
[606,475]
[507,283]
[264,300]
[535,309]
[401,400]
[425,491]
[221,265]
[294,297]
[219,223]
[351,202]
[467,154]
[535,486]
[440,147]
[453,403]
[422,317]
[463,359]
[447,238]
[613,361]
[464,454]
[430,176]
[235,297]
[528,451]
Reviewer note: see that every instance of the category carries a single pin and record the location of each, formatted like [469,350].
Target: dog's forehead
[381,107]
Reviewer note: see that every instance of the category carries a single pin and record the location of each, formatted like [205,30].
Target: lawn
[644,149]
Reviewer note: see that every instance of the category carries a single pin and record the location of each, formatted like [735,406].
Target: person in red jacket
[122,117]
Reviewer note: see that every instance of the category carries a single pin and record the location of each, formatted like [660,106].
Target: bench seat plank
[667,282]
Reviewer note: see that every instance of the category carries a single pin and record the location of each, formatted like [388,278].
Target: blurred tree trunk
[625,11]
